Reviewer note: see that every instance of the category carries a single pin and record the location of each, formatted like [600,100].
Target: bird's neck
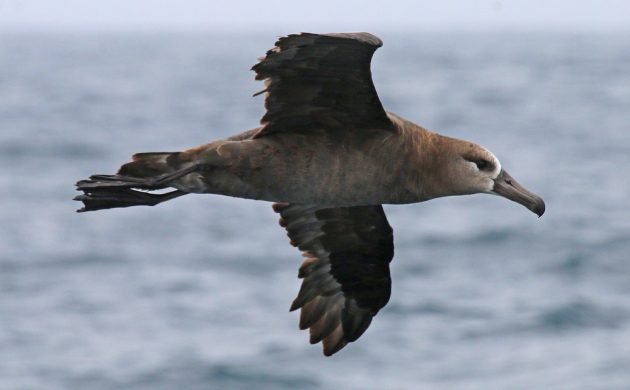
[426,163]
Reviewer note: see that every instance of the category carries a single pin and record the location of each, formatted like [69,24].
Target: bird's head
[471,169]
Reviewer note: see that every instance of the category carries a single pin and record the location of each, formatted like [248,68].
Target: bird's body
[329,155]
[341,169]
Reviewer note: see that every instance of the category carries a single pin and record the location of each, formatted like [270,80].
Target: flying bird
[329,156]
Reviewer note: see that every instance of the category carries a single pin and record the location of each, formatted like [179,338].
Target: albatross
[328,155]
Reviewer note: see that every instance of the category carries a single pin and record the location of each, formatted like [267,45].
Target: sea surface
[194,293]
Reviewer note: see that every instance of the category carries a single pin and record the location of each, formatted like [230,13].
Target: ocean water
[194,293]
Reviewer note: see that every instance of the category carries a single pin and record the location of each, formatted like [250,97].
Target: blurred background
[194,293]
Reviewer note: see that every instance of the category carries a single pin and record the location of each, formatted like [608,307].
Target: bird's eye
[483,164]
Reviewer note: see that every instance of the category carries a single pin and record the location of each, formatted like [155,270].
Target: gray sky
[314,15]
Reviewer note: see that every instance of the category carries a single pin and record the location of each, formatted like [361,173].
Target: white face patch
[497,167]
[495,172]
[482,170]
[495,161]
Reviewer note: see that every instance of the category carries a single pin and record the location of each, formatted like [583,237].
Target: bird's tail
[131,185]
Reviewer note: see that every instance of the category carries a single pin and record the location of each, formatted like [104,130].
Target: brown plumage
[329,156]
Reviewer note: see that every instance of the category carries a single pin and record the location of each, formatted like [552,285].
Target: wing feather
[320,82]
[345,273]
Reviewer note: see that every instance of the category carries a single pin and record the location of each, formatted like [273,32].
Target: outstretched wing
[346,281]
[320,82]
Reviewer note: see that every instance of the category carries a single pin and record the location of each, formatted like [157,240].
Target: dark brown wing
[347,251]
[320,81]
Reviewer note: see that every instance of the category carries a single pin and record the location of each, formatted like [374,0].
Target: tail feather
[147,171]
[108,198]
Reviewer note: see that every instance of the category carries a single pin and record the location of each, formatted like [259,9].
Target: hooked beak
[507,187]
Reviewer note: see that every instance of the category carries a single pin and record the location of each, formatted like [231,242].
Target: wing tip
[334,342]
[359,36]
[363,37]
